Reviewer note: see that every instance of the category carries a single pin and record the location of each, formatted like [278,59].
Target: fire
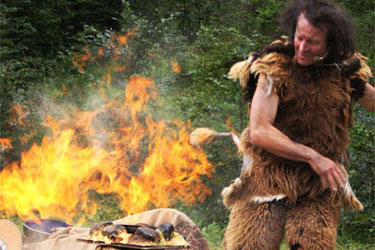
[5,143]
[151,54]
[17,115]
[81,61]
[115,45]
[145,162]
[175,66]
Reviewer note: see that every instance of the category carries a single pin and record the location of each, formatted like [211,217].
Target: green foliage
[109,209]
[213,233]
[363,14]
[209,96]
[35,47]
[360,225]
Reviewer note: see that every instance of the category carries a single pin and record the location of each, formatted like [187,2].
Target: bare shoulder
[265,102]
[367,101]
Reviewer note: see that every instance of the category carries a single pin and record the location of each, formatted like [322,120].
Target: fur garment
[310,223]
[315,109]
[274,193]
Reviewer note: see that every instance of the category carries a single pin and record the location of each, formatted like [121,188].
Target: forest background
[39,39]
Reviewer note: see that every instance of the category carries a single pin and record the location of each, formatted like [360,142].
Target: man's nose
[303,46]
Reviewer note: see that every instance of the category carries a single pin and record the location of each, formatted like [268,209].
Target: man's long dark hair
[320,13]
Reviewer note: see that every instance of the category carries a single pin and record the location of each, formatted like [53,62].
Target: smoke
[104,131]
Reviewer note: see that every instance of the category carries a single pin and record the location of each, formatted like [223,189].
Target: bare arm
[368,99]
[264,135]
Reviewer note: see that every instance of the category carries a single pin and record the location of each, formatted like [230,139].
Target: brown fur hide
[310,223]
[315,109]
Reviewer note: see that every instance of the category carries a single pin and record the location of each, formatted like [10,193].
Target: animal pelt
[359,78]
[234,191]
[242,70]
[315,109]
[364,72]
[248,76]
[312,223]
[255,226]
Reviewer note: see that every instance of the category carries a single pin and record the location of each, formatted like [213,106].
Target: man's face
[309,41]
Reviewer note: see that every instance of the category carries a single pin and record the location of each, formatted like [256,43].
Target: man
[300,115]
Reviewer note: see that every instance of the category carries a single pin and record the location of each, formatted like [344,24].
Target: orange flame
[153,55]
[5,143]
[145,162]
[17,115]
[176,67]
[115,44]
[100,52]
[81,61]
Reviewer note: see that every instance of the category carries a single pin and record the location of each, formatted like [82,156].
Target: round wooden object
[10,236]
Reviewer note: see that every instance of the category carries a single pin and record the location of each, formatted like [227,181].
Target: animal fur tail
[201,136]
[349,198]
[232,193]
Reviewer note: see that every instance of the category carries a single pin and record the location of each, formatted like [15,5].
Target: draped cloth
[67,238]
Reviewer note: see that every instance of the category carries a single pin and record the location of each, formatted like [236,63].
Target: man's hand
[329,172]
